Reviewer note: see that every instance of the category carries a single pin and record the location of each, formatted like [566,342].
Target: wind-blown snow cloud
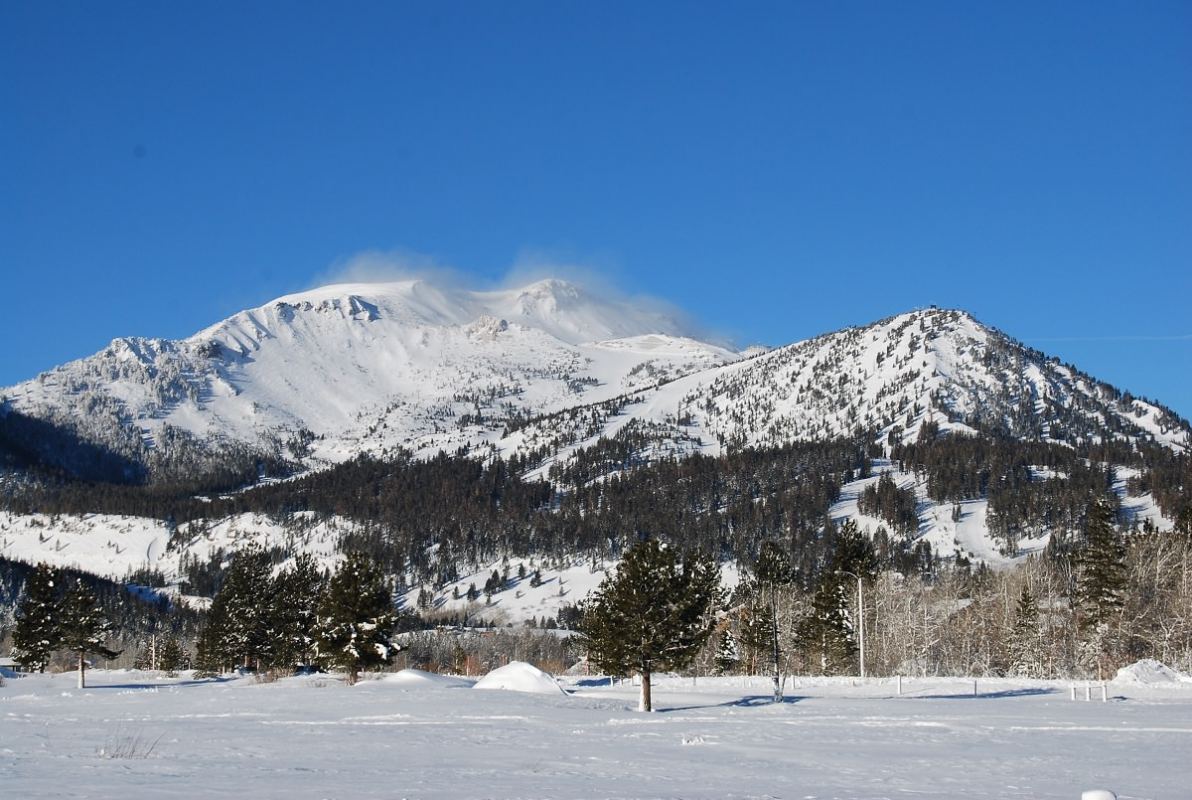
[383,266]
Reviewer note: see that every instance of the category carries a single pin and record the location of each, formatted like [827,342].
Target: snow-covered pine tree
[1100,583]
[293,621]
[828,632]
[38,632]
[1024,642]
[654,613]
[239,623]
[356,618]
[1101,566]
[728,659]
[85,627]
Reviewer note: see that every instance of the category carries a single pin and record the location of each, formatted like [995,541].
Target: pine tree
[1101,575]
[1100,584]
[772,572]
[1024,639]
[755,630]
[171,658]
[85,627]
[292,619]
[728,659]
[239,629]
[38,633]
[654,613]
[425,599]
[356,618]
[830,632]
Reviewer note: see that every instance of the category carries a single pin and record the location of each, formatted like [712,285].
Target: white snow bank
[416,678]
[518,676]
[1149,672]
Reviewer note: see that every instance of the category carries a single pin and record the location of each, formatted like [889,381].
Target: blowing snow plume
[573,302]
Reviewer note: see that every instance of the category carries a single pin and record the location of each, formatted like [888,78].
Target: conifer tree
[830,631]
[1024,638]
[1101,563]
[297,591]
[754,631]
[38,633]
[171,657]
[425,599]
[356,618]
[85,627]
[1100,583]
[239,624]
[727,656]
[771,573]
[654,613]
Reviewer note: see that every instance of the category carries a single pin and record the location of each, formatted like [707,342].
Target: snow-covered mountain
[889,378]
[365,367]
[540,373]
[546,369]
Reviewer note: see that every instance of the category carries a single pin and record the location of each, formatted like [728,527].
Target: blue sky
[778,170]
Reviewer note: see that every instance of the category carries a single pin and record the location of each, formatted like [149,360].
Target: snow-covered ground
[134,735]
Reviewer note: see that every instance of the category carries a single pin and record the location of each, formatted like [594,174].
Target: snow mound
[518,676]
[416,678]
[1149,672]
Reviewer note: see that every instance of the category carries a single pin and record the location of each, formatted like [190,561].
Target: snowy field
[134,735]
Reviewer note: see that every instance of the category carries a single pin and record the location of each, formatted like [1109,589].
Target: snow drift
[419,679]
[1149,672]
[518,676]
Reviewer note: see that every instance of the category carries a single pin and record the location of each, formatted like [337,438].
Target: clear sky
[779,170]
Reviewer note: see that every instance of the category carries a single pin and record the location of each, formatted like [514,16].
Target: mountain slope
[541,371]
[364,368]
[930,367]
[571,387]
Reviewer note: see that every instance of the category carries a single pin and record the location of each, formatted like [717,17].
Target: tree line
[299,617]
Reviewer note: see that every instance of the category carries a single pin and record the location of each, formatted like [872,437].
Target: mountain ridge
[992,449]
[319,376]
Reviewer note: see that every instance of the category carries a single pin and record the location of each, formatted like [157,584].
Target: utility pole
[860,617]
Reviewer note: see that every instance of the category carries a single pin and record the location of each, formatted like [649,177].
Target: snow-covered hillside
[543,372]
[323,375]
[365,367]
[892,377]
